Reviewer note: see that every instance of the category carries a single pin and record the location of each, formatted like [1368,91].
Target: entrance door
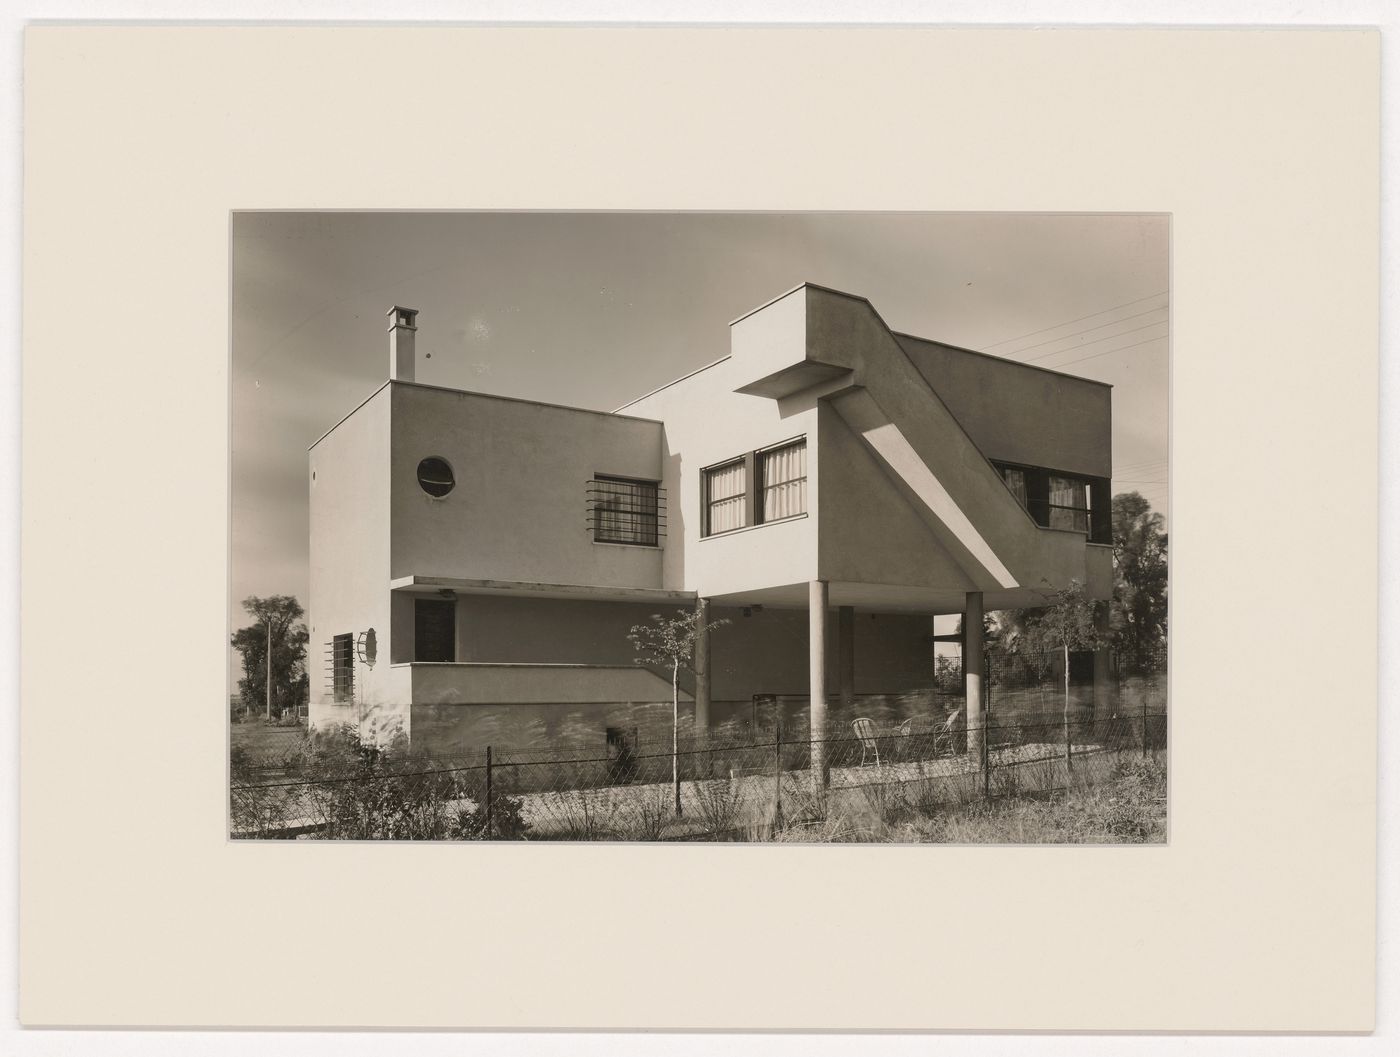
[434,629]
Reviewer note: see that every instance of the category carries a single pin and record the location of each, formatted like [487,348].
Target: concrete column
[702,666]
[816,647]
[846,657]
[972,671]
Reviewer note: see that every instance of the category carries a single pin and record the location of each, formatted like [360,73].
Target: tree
[1068,624]
[1139,610]
[670,642]
[276,627]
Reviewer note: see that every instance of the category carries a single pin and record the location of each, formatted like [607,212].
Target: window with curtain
[1069,503]
[783,472]
[625,511]
[726,489]
[1015,479]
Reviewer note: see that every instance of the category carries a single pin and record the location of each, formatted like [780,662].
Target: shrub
[653,811]
[578,814]
[359,790]
[719,803]
[506,822]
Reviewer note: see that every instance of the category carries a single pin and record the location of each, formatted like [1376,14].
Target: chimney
[401,332]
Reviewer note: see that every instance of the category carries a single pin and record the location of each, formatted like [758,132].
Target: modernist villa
[829,486]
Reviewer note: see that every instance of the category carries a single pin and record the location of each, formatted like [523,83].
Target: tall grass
[1028,806]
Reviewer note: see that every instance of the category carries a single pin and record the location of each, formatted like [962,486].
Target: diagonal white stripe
[895,449]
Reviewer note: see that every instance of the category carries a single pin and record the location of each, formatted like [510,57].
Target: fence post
[1144,726]
[488,792]
[1069,745]
[985,762]
[987,727]
[777,772]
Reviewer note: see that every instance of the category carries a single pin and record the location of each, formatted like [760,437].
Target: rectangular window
[625,510]
[1069,503]
[726,494]
[434,629]
[1015,479]
[783,472]
[343,667]
[757,487]
[1061,500]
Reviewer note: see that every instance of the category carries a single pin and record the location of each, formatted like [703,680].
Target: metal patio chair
[947,733]
[865,731]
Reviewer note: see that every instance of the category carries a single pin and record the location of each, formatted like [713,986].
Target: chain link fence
[752,784]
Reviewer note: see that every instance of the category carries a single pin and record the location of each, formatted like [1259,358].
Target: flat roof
[896,333]
[1002,359]
[485,396]
[617,412]
[672,382]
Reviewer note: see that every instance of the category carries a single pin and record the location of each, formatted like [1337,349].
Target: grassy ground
[1127,804]
[742,807]
[265,740]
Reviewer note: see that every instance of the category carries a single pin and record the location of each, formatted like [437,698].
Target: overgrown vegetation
[335,786]
[1138,612]
[1128,807]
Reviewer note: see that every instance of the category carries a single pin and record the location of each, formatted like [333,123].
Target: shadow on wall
[673,558]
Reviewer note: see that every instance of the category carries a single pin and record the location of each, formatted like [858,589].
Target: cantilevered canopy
[429,585]
[884,598]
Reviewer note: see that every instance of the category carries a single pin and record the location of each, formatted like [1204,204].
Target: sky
[595,309]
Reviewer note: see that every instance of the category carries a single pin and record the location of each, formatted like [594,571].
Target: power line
[1154,468]
[1141,463]
[1090,344]
[1109,352]
[1067,322]
[1089,330]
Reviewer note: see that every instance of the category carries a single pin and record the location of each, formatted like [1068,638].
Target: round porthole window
[435,477]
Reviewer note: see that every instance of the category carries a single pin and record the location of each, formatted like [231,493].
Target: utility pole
[269,666]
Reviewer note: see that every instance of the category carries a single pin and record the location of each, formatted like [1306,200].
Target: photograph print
[754,527]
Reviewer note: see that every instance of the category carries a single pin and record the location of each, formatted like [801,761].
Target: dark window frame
[1098,493]
[598,504]
[753,488]
[343,667]
[761,480]
[707,504]
[451,477]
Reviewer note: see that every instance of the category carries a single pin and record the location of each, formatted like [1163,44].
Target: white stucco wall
[869,532]
[706,422]
[996,530]
[1019,413]
[349,575]
[519,508]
